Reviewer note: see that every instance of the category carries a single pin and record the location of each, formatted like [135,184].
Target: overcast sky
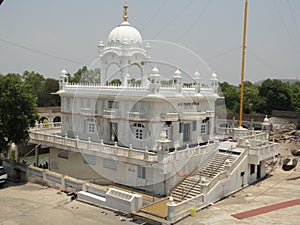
[46,36]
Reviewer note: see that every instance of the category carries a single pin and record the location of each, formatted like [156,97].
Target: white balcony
[169,116]
[138,116]
[262,152]
[193,115]
[109,114]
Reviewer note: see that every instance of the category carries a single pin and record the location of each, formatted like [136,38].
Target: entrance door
[114,132]
[186,132]
[258,172]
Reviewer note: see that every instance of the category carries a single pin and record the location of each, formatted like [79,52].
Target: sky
[47,36]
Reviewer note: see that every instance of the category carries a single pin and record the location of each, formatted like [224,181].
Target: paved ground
[35,204]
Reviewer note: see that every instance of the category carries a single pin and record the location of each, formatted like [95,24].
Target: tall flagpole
[243,64]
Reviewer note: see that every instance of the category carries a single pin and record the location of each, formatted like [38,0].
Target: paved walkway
[266,209]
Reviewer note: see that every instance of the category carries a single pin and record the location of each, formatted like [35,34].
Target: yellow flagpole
[243,64]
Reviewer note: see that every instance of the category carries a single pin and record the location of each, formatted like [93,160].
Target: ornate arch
[108,66]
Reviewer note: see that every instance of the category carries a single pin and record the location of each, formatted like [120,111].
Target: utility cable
[40,52]
[286,29]
[154,15]
[196,20]
[173,18]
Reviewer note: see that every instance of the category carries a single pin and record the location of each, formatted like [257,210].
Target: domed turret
[214,82]
[124,49]
[125,33]
[63,79]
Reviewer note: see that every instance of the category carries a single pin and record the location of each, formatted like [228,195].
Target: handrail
[93,146]
[116,150]
[198,180]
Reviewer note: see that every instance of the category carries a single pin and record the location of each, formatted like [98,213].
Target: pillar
[36,155]
[171,208]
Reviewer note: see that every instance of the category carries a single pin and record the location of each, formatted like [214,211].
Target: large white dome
[125,34]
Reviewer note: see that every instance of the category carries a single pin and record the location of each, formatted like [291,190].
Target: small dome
[266,119]
[197,74]
[177,72]
[155,70]
[101,44]
[63,73]
[125,34]
[214,76]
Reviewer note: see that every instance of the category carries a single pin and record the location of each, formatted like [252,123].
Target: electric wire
[228,51]
[286,29]
[154,15]
[262,61]
[40,52]
[293,13]
[196,20]
[173,18]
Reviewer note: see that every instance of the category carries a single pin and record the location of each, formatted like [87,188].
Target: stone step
[192,184]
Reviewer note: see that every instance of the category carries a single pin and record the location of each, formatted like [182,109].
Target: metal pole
[243,64]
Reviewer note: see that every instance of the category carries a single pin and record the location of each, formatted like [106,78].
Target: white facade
[145,134]
[134,116]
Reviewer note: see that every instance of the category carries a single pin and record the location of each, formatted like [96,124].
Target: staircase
[190,186]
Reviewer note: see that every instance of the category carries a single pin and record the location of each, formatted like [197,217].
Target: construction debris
[292,136]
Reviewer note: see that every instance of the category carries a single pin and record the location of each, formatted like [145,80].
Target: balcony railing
[136,116]
[108,113]
[89,147]
[169,116]
[262,152]
[48,126]
[194,115]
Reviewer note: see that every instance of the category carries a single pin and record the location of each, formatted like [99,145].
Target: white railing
[261,136]
[192,152]
[64,181]
[169,116]
[86,146]
[194,115]
[182,209]
[265,151]
[136,116]
[49,126]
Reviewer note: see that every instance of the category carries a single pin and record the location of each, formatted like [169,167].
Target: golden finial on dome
[125,17]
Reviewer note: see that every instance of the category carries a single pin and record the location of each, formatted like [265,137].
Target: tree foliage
[42,88]
[84,75]
[18,110]
[231,94]
[262,99]
[276,94]
[47,97]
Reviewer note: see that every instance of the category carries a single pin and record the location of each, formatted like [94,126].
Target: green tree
[295,91]
[34,81]
[18,110]
[276,94]
[231,94]
[47,96]
[84,75]
[252,102]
